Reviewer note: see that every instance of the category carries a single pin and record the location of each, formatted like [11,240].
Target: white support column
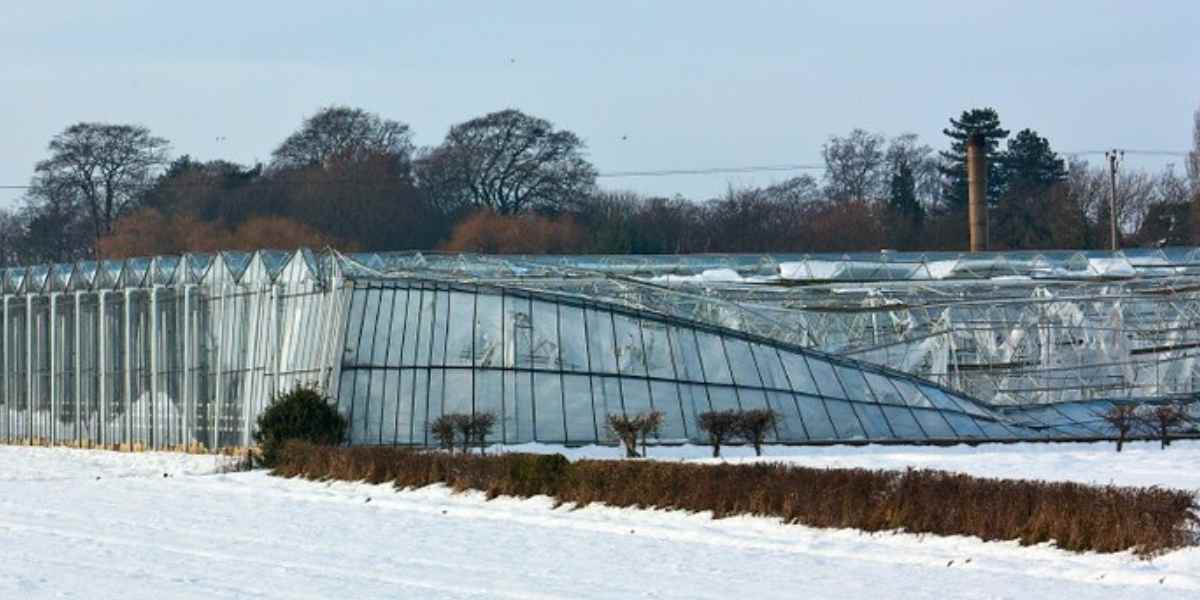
[275,353]
[78,372]
[218,324]
[7,390]
[52,329]
[155,437]
[185,393]
[102,377]
[127,344]
[29,401]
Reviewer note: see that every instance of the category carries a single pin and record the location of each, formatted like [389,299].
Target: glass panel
[798,373]
[390,329]
[389,397]
[607,395]
[458,391]
[577,399]
[816,419]
[418,330]
[574,339]
[460,334]
[687,356]
[412,413]
[601,347]
[745,371]
[382,343]
[872,419]
[712,355]
[544,345]
[489,351]
[366,335]
[631,357]
[722,398]
[412,327]
[519,407]
[911,395]
[790,427]
[964,425]
[666,399]
[752,399]
[518,333]
[769,367]
[844,420]
[636,393]
[487,398]
[438,328]
[827,383]
[695,401]
[658,351]
[548,402]
[934,424]
[856,387]
[903,423]
[885,392]
[939,398]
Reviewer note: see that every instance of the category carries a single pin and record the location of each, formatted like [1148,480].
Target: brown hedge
[1073,516]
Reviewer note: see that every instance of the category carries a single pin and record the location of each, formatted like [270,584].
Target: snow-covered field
[93,524]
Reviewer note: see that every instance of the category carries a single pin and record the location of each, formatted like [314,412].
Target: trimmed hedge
[1073,516]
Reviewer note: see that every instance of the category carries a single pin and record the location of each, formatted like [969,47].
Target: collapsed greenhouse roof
[889,347]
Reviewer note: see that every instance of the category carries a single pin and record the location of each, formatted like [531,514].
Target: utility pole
[1114,157]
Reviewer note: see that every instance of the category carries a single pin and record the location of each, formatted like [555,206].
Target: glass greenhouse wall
[186,351]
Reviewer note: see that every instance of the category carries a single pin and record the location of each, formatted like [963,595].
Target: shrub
[720,425]
[445,429]
[467,429]
[648,423]
[629,428]
[1072,516]
[303,413]
[754,425]
[1122,418]
[626,429]
[479,427]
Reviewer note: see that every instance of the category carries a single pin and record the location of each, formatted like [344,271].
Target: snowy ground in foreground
[93,524]
[1139,464]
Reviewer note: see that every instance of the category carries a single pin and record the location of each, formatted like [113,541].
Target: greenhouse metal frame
[185,352]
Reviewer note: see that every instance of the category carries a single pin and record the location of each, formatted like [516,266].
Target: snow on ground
[133,533]
[1139,464]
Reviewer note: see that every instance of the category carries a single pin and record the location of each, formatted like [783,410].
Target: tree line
[513,182]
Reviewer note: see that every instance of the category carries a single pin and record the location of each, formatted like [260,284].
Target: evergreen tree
[981,122]
[1028,162]
[906,215]
[1029,171]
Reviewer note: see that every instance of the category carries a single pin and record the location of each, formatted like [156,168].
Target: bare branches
[342,133]
[507,161]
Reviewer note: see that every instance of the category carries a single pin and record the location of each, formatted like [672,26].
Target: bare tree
[906,149]
[1123,418]
[1162,420]
[507,161]
[855,166]
[1193,159]
[342,133]
[103,167]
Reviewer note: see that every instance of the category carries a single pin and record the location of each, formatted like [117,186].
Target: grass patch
[1072,516]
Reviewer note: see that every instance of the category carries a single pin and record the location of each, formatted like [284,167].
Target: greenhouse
[171,352]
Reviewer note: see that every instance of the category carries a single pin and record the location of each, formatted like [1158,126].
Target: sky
[647,85]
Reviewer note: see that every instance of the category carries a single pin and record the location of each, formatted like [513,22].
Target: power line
[714,170]
[778,168]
